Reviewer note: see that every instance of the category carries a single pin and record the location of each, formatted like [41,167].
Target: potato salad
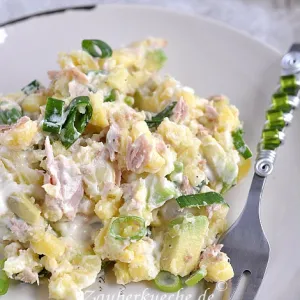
[115,163]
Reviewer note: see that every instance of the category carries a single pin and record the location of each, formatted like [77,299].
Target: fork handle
[284,101]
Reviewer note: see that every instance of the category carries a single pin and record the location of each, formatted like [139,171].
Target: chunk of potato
[45,243]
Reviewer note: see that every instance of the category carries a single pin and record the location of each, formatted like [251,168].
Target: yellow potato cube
[33,102]
[107,208]
[117,79]
[45,243]
[194,173]
[156,162]
[219,271]
[99,117]
[180,137]
[140,128]
[62,287]
[122,274]
[138,78]
[21,136]
[188,96]
[80,59]
[228,116]
[126,57]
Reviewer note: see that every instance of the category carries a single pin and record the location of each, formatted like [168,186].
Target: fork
[245,241]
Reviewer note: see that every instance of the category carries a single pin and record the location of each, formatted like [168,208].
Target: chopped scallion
[128,228]
[111,97]
[78,115]
[53,115]
[195,277]
[240,145]
[158,118]
[203,199]
[32,87]
[91,46]
[167,282]
[10,116]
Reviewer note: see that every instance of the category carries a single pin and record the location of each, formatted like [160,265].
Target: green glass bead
[280,101]
[292,91]
[270,146]
[271,139]
[288,81]
[289,84]
[275,119]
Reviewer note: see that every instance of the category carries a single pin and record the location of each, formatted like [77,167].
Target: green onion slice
[128,228]
[32,87]
[167,282]
[53,115]
[158,118]
[78,115]
[203,199]
[240,145]
[91,46]
[196,276]
[111,97]
[10,116]
[4,280]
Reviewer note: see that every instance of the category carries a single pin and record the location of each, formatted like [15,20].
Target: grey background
[275,22]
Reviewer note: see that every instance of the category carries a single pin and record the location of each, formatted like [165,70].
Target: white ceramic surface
[208,57]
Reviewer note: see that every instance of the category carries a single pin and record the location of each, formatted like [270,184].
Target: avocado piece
[21,205]
[160,190]
[183,242]
[155,60]
[223,164]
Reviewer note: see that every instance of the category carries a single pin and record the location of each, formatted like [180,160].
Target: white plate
[209,57]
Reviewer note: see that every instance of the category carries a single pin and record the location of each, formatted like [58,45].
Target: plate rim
[154,8]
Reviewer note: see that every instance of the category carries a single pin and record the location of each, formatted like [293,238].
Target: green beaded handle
[280,114]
